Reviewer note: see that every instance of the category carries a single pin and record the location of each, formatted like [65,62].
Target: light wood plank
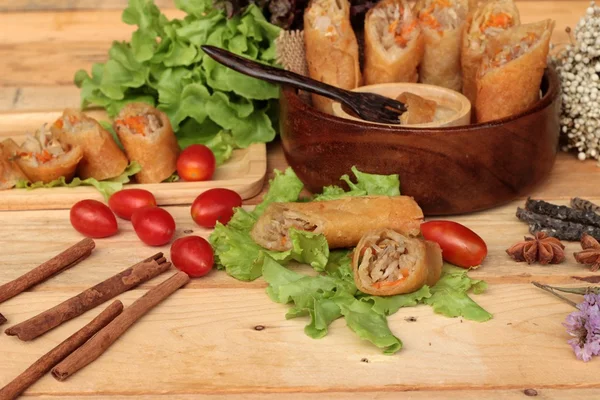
[24,240]
[204,341]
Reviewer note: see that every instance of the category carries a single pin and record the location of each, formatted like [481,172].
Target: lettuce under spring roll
[44,159]
[343,221]
[148,138]
[331,47]
[10,172]
[102,158]
[387,263]
[509,78]
[393,43]
[442,23]
[488,21]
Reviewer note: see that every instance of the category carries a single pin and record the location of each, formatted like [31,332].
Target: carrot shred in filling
[59,123]
[426,15]
[402,35]
[500,20]
[379,285]
[43,157]
[136,124]
[507,54]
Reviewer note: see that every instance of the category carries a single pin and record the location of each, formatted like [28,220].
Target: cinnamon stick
[2,319]
[59,263]
[90,298]
[97,345]
[59,353]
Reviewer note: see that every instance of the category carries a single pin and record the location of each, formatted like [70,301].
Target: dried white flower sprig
[578,66]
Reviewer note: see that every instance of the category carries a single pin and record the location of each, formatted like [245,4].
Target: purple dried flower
[584,326]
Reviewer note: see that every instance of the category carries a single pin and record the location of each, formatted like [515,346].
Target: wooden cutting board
[244,172]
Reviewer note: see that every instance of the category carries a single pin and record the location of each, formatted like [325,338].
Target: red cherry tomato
[215,205]
[192,255]
[93,219]
[460,245]
[196,163]
[126,201]
[153,225]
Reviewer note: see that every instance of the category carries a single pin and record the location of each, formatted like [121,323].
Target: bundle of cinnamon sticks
[93,339]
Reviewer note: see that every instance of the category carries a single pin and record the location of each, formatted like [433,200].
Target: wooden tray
[244,172]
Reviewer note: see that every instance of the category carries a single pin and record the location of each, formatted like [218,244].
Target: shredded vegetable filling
[144,125]
[326,16]
[388,260]
[40,149]
[509,53]
[278,229]
[441,15]
[395,24]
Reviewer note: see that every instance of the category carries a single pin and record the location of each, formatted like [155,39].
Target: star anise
[542,248]
[590,254]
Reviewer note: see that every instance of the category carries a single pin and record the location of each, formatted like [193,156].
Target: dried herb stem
[553,290]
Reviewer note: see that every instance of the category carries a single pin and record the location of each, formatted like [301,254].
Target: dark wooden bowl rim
[552,91]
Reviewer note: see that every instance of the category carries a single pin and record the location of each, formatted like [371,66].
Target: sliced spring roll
[331,47]
[343,221]
[10,172]
[488,21]
[148,138]
[102,158]
[44,159]
[393,43]
[509,78]
[387,263]
[442,23]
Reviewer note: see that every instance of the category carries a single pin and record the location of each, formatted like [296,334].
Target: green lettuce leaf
[369,325]
[449,296]
[391,304]
[163,64]
[366,184]
[284,187]
[106,187]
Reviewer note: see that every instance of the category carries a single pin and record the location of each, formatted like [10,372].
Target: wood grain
[214,348]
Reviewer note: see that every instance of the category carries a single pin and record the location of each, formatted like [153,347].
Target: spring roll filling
[442,15]
[146,124]
[278,231]
[395,26]
[387,261]
[510,52]
[327,16]
[40,148]
[72,124]
[494,23]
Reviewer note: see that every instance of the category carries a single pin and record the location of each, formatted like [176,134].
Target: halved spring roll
[387,263]
[331,47]
[393,43]
[10,173]
[442,23]
[343,221]
[148,138]
[102,158]
[488,21]
[510,75]
[44,159]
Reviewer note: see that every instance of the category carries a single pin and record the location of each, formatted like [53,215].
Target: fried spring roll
[10,173]
[44,159]
[393,43]
[419,109]
[509,78]
[102,158]
[488,21]
[343,221]
[148,138]
[387,263]
[442,23]
[331,47]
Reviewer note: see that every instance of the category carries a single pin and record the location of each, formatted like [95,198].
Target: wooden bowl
[449,170]
[455,107]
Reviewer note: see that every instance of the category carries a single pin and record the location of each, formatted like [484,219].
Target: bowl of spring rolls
[495,66]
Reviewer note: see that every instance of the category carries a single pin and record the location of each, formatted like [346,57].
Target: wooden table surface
[202,342]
